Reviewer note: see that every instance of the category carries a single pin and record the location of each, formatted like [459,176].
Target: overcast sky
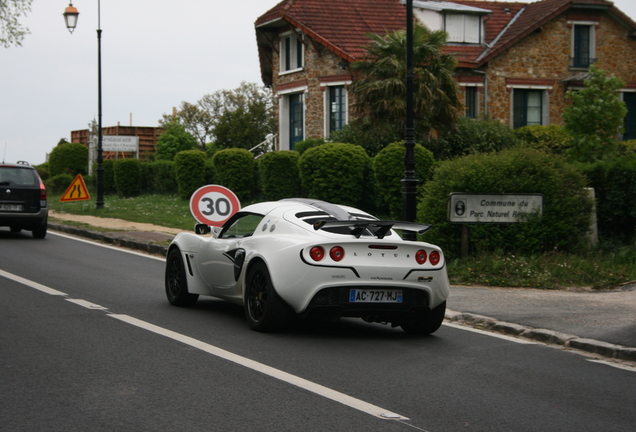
[155,54]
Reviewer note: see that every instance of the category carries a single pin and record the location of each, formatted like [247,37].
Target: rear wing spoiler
[376,227]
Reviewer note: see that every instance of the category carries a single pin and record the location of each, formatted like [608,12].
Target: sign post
[465,209]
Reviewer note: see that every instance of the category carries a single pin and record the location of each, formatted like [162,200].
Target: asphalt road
[88,342]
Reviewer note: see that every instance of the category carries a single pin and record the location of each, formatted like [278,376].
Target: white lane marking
[312,387]
[96,243]
[31,284]
[264,369]
[488,333]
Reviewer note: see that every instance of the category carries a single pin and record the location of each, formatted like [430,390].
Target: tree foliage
[11,32]
[380,91]
[595,116]
[173,140]
[68,158]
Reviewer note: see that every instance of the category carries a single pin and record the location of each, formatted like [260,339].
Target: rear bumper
[24,220]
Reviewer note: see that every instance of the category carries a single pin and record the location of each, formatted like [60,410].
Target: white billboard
[500,208]
[116,143]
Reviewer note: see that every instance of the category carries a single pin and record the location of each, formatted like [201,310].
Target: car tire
[175,281]
[264,309]
[40,232]
[427,323]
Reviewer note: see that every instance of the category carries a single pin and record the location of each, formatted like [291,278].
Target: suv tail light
[42,191]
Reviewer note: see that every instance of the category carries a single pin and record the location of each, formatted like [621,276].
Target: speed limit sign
[213,205]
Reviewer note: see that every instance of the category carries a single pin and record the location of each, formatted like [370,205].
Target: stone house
[515,60]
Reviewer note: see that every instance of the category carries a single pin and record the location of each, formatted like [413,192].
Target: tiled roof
[342,25]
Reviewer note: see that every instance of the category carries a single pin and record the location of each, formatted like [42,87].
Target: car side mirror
[202,229]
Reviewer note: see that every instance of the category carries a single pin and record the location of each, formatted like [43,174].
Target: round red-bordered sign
[213,205]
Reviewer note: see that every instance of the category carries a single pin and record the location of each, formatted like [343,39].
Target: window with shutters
[462,28]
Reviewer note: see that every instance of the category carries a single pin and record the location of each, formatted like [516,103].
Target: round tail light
[336,253]
[420,256]
[434,258]
[317,253]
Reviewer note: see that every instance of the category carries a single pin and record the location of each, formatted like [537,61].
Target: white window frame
[326,107]
[294,59]
[283,113]
[545,114]
[463,20]
[592,25]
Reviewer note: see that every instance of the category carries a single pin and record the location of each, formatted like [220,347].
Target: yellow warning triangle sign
[76,191]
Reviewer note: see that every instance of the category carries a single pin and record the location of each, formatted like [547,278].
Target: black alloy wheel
[175,280]
[264,309]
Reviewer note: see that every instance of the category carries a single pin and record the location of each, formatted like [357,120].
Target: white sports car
[306,257]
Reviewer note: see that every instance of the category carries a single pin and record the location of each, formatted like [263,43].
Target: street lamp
[409,182]
[70,17]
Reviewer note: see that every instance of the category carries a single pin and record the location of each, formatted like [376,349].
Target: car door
[221,259]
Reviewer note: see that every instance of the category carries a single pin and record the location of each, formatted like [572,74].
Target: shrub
[278,173]
[127,177]
[566,206]
[189,168]
[210,175]
[58,184]
[614,184]
[388,168]
[43,170]
[236,170]
[162,177]
[68,158]
[335,172]
[550,139]
[473,136]
[173,140]
[110,187]
[300,147]
[372,137]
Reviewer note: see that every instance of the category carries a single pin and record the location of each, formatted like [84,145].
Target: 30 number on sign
[213,205]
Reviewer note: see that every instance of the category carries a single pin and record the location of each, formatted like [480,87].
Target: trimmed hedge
[162,177]
[59,183]
[68,158]
[566,207]
[279,175]
[127,177]
[614,184]
[388,168]
[550,139]
[335,172]
[189,168]
[236,170]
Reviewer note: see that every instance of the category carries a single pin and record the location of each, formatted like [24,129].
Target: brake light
[420,256]
[317,253]
[42,191]
[434,258]
[336,253]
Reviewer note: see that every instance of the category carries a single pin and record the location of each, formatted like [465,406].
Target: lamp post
[409,182]
[70,16]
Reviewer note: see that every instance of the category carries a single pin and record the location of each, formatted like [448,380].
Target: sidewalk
[599,322]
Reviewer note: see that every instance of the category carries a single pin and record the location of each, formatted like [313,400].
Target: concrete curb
[592,346]
[122,240]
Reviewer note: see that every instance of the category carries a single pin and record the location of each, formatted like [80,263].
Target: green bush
[550,139]
[473,136]
[43,170]
[58,184]
[279,176]
[162,178]
[388,168]
[300,147]
[614,184]
[127,177]
[236,170]
[566,206]
[335,172]
[368,135]
[110,187]
[173,140]
[210,174]
[68,158]
[189,167]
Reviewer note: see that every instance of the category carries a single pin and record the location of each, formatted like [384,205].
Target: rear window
[15,176]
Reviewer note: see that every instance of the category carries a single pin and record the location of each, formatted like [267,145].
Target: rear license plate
[375,296]
[11,207]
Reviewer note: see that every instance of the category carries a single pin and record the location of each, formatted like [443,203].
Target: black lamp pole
[70,16]
[409,182]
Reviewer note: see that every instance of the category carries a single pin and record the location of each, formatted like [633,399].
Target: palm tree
[380,90]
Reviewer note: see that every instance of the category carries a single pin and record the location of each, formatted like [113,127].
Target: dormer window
[463,28]
[291,52]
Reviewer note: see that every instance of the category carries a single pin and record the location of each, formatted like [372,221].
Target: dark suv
[23,199]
